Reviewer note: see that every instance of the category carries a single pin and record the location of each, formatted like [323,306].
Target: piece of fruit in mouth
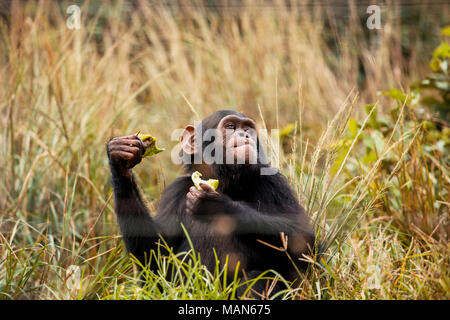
[213,183]
[149,143]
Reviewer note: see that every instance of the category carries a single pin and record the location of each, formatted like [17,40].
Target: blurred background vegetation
[363,114]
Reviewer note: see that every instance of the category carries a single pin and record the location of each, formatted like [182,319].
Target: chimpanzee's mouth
[244,143]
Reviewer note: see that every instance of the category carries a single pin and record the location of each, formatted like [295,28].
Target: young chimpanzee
[248,211]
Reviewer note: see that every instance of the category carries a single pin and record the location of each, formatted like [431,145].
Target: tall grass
[383,218]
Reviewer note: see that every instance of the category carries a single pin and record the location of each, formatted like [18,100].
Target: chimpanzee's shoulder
[180,184]
[276,179]
[276,188]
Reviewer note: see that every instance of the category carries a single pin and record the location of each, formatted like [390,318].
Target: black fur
[261,207]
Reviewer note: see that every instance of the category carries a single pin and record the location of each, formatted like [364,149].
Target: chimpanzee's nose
[242,133]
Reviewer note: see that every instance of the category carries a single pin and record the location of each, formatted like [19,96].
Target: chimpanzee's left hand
[198,200]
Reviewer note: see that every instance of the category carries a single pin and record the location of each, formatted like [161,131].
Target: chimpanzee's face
[225,137]
[239,140]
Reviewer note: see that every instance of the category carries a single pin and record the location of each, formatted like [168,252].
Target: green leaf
[369,157]
[373,122]
[287,130]
[378,141]
[414,85]
[428,125]
[368,142]
[394,114]
[149,143]
[339,159]
[395,94]
[442,51]
[353,127]
[446,31]
[429,101]
[435,64]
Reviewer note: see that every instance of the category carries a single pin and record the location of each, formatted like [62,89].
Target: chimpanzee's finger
[192,198]
[195,191]
[131,149]
[122,154]
[131,136]
[127,142]
[207,188]
[135,160]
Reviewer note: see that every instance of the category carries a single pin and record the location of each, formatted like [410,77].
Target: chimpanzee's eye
[231,126]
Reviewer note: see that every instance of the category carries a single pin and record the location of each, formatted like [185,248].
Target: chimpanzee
[243,219]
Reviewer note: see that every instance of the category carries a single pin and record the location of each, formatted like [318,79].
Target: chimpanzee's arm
[267,220]
[276,210]
[271,207]
[139,231]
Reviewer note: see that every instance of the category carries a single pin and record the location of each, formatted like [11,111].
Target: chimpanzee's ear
[187,140]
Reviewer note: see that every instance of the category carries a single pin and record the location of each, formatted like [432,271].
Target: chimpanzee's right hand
[125,152]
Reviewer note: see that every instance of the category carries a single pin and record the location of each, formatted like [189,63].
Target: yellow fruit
[213,183]
[149,144]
